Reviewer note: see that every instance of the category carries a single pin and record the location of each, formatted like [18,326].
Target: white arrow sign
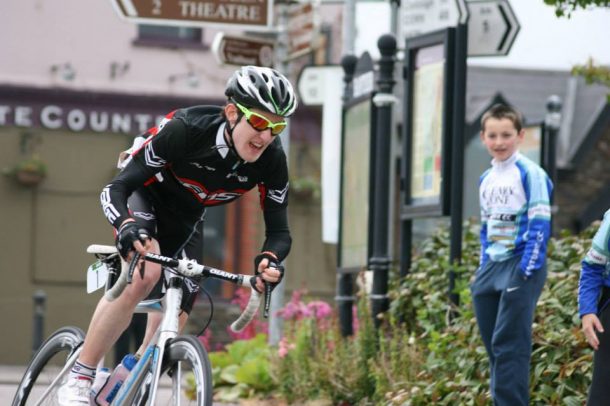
[492,27]
[314,81]
[419,17]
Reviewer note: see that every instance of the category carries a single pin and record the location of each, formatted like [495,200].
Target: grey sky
[544,42]
[548,42]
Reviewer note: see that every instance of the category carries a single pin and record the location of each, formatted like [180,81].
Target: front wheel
[46,365]
[188,380]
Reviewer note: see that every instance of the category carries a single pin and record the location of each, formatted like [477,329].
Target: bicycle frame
[150,362]
[142,383]
[61,374]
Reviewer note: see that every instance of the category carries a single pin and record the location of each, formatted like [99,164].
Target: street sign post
[301,29]
[246,14]
[419,17]
[236,50]
[492,28]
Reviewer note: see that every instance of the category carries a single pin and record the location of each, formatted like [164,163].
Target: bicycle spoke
[188,380]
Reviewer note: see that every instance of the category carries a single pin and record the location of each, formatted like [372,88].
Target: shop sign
[55,117]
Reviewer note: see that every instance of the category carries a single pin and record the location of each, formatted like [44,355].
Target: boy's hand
[590,325]
[267,269]
[130,237]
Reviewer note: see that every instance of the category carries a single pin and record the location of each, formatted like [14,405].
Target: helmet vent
[263,95]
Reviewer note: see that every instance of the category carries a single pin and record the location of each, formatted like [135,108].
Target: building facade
[77,83]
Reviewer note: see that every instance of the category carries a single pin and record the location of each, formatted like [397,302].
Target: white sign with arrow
[422,16]
[492,27]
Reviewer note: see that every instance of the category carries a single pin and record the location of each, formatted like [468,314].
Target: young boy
[515,226]
[593,300]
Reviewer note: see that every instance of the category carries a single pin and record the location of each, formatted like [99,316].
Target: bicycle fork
[151,360]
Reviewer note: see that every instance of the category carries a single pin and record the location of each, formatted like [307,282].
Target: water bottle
[100,379]
[116,379]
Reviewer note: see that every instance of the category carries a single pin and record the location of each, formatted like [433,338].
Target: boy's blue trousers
[504,305]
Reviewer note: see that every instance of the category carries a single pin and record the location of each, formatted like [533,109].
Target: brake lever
[142,268]
[132,266]
[267,299]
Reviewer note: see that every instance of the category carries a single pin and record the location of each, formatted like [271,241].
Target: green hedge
[419,358]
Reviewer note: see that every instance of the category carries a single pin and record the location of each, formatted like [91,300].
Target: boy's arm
[589,285]
[273,191]
[539,221]
[166,146]
[593,267]
[483,237]
[483,233]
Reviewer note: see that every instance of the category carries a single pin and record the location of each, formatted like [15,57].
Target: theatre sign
[247,14]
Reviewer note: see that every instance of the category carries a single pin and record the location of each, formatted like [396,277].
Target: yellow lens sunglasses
[260,122]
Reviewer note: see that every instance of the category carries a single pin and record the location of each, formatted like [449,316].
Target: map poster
[355,186]
[427,125]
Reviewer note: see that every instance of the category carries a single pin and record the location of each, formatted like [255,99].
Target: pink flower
[320,309]
[296,310]
[285,347]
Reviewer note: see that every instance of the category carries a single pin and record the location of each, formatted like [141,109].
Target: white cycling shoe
[75,392]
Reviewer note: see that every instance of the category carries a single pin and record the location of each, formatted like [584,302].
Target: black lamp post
[345,284]
[552,123]
[379,262]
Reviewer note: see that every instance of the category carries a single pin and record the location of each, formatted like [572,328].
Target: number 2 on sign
[156,7]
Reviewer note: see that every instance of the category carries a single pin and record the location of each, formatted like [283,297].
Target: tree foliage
[564,8]
[591,72]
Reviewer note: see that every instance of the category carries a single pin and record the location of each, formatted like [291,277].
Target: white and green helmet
[262,88]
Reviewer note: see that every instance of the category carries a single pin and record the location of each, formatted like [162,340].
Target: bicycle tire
[66,339]
[187,351]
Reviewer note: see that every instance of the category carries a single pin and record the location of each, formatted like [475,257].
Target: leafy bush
[456,370]
[315,363]
[429,352]
[242,369]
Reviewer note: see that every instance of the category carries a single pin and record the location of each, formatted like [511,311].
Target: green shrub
[319,364]
[455,369]
[242,369]
[428,352]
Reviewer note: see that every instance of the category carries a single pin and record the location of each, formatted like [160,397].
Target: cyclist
[196,157]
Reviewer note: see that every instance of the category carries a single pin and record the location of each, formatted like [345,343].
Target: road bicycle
[178,363]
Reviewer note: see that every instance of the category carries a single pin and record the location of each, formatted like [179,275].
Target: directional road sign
[301,29]
[314,83]
[245,14]
[419,17]
[492,27]
[236,50]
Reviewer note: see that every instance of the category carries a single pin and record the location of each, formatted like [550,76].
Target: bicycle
[169,355]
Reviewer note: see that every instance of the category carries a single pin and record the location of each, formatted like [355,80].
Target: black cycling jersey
[186,164]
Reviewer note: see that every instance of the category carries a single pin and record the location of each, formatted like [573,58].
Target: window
[170,37]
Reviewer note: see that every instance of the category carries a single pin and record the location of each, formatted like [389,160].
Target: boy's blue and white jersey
[515,212]
[595,271]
